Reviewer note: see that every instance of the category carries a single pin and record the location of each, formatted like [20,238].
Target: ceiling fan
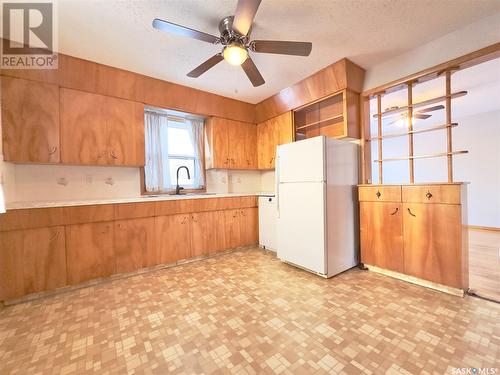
[420,114]
[235,37]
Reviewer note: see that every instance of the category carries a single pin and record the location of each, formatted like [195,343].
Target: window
[173,139]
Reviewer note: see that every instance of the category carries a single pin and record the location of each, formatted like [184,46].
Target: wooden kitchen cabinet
[230,144]
[100,130]
[31,261]
[173,237]
[89,251]
[204,234]
[433,242]
[381,232]
[232,226]
[270,134]
[249,226]
[135,244]
[30,121]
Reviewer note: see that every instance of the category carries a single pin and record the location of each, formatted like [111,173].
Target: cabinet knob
[378,194]
[113,155]
[428,195]
[53,150]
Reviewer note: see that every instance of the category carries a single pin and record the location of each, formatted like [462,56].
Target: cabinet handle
[243,213]
[227,161]
[428,195]
[411,213]
[396,211]
[271,161]
[194,218]
[378,194]
[184,221]
[113,155]
[53,150]
[235,213]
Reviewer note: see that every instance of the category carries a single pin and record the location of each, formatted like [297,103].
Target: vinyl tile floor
[248,313]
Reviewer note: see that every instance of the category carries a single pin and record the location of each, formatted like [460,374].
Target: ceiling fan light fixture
[235,53]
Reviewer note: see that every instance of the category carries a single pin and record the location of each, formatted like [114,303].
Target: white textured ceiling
[119,33]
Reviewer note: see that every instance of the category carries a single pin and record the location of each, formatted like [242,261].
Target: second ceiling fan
[235,37]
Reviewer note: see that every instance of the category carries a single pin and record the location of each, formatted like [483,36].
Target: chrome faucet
[177,187]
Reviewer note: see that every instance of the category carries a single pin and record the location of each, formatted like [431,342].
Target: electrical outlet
[109,181]
[63,181]
[89,179]
[238,180]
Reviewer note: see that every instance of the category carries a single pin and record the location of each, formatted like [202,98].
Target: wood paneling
[32,261]
[381,233]
[31,218]
[30,121]
[433,242]
[135,244]
[173,237]
[89,251]
[125,132]
[83,128]
[446,194]
[379,193]
[335,77]
[88,214]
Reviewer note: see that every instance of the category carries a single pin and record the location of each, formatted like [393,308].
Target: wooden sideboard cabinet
[416,230]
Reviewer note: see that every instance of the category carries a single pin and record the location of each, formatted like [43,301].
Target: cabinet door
[220,232]
[236,135]
[203,233]
[135,244]
[233,232]
[173,237]
[250,146]
[30,121]
[249,226]
[266,144]
[89,249]
[381,230]
[83,128]
[433,242]
[125,132]
[284,125]
[32,261]
[217,149]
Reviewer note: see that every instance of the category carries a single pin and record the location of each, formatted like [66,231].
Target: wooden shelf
[430,129]
[422,156]
[318,123]
[439,99]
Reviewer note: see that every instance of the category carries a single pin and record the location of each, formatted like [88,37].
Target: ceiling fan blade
[184,31]
[421,116]
[244,15]
[210,63]
[430,109]
[281,47]
[252,72]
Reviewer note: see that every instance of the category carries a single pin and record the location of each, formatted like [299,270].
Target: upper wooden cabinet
[230,144]
[97,129]
[30,121]
[336,116]
[270,134]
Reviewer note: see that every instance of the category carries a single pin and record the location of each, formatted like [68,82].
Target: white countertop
[144,198]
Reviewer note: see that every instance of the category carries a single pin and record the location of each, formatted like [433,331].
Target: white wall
[477,133]
[472,37]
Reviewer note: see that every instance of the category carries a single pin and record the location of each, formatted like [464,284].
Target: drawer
[379,193]
[444,194]
[134,210]
[88,214]
[29,218]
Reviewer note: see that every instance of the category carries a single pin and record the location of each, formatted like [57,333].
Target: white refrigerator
[316,202]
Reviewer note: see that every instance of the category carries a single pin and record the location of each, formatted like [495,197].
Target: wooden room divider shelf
[333,119]
[428,156]
[430,129]
[424,103]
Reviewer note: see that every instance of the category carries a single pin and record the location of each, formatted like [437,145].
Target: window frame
[201,189]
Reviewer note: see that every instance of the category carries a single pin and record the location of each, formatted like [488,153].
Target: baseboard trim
[417,281]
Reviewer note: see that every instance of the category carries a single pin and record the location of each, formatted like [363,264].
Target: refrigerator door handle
[277,171]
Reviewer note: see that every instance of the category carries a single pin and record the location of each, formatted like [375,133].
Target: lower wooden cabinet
[31,261]
[173,237]
[249,226]
[134,244]
[433,242]
[417,230]
[381,229]
[204,234]
[89,251]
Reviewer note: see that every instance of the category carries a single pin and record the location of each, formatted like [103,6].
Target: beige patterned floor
[248,313]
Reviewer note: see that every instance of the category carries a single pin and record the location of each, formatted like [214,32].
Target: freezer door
[302,161]
[301,225]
